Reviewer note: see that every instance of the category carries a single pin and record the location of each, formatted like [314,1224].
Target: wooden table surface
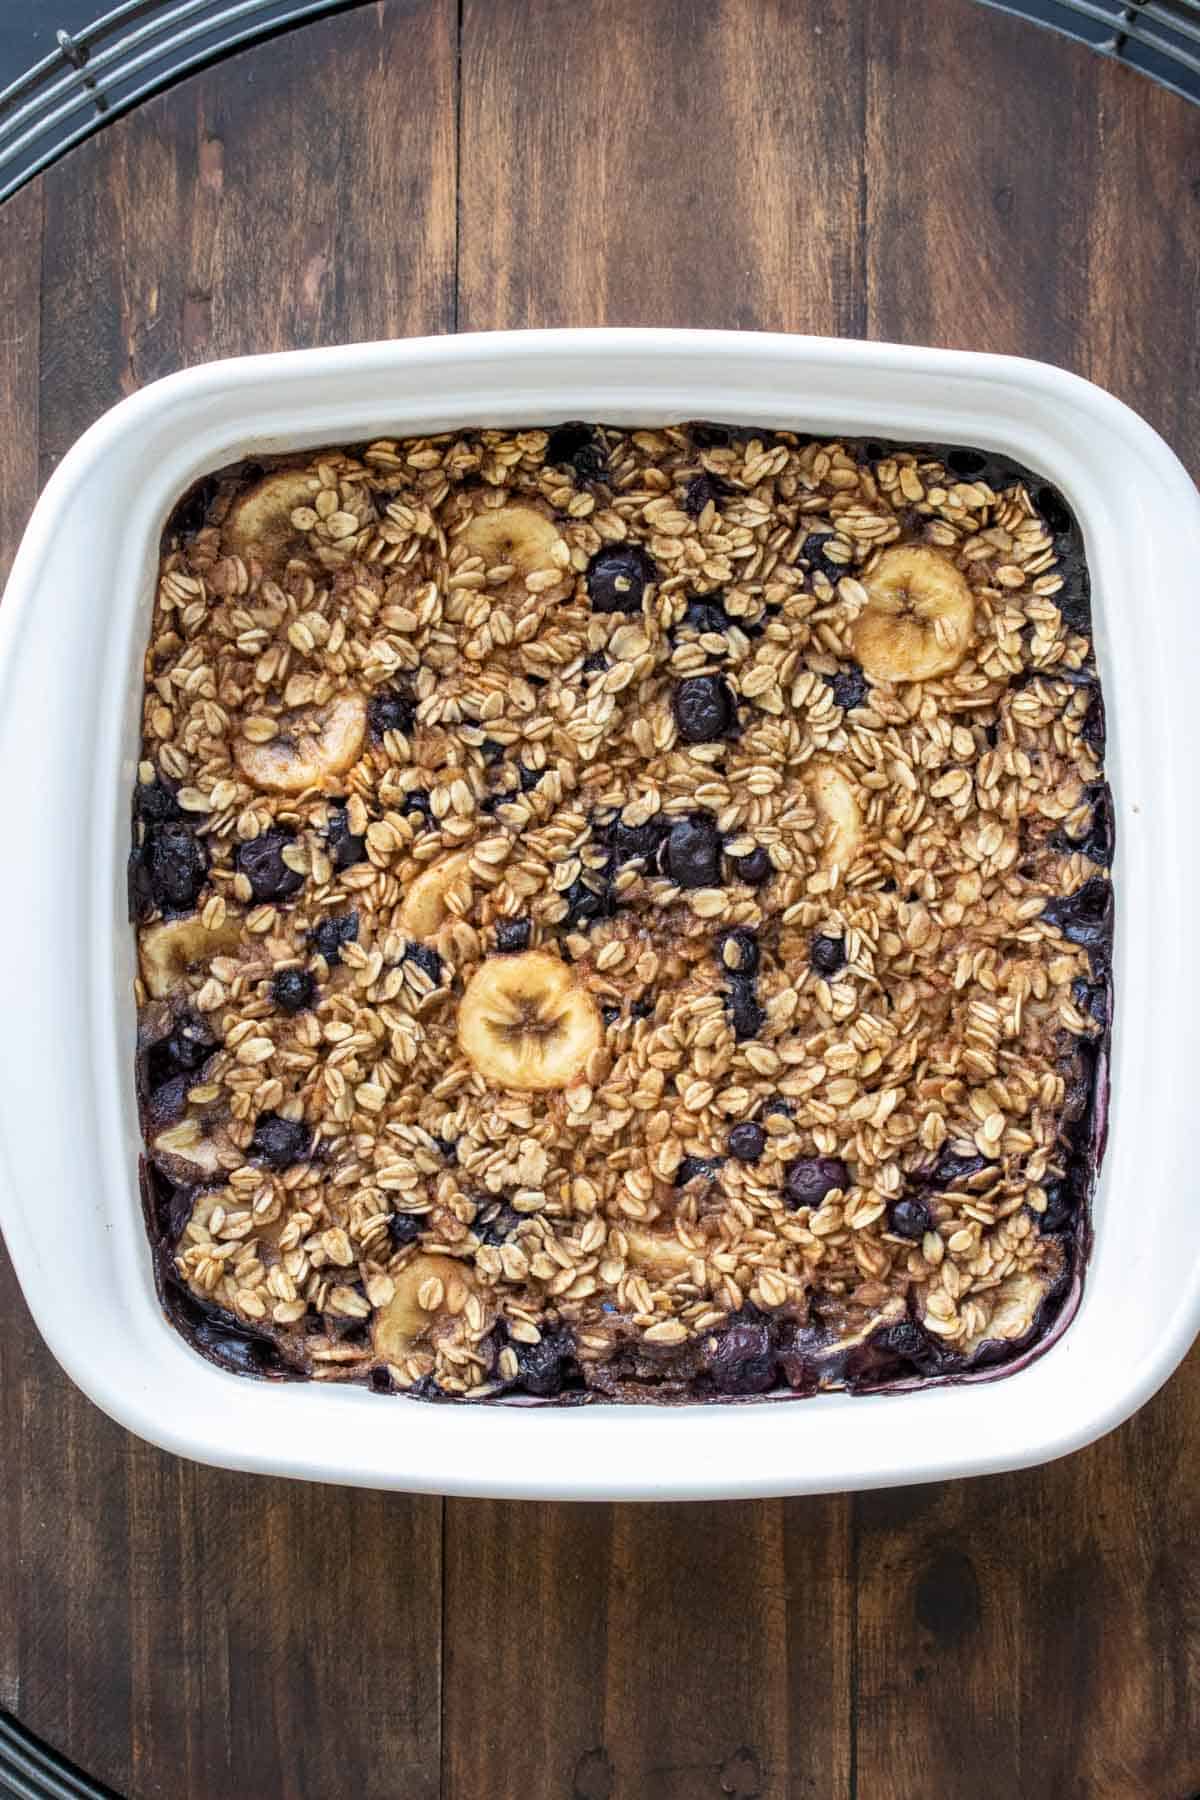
[934,173]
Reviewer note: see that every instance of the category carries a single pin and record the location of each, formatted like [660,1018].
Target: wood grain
[945,176]
[181,1631]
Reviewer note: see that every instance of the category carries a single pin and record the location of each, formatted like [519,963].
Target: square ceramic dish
[72,629]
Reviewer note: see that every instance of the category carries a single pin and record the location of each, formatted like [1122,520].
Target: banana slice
[918,619]
[526,1023]
[169,953]
[401,1325]
[658,1251]
[838,813]
[1015,1307]
[314,745]
[185,1153]
[516,535]
[424,911]
[261,518]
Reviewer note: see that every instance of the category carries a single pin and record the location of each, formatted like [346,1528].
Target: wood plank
[676,169]
[1035,1633]
[20,307]
[666,165]
[182,1630]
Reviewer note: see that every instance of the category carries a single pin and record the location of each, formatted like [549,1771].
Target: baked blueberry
[610,1015]
[827,954]
[495,1222]
[910,1218]
[393,709]
[706,615]
[1054,510]
[185,1049]
[630,843]
[191,513]
[692,856]
[584,903]
[328,937]
[700,490]
[813,552]
[952,1167]
[693,1168]
[754,868]
[176,865]
[966,464]
[425,958]
[705,709]
[528,778]
[850,688]
[596,663]
[747,1141]
[261,862]
[575,445]
[777,1106]
[543,1368]
[642,1009]
[292,990]
[742,945]
[448,1147]
[417,802]
[280,1142]
[403,1228]
[154,803]
[1084,918]
[809,1178]
[617,577]
[513,934]
[747,1015]
[741,1359]
[345,847]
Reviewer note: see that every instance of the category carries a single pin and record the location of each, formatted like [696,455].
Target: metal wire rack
[95,74]
[1159,37]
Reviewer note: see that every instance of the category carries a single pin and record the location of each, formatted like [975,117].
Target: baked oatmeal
[621,913]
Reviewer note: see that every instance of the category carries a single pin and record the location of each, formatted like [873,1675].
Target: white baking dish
[72,629]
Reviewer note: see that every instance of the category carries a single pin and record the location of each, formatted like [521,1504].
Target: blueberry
[394,709]
[585,904]
[705,709]
[403,1228]
[448,1148]
[617,578]
[495,1222]
[992,735]
[630,843]
[528,777]
[1094,730]
[812,551]
[706,615]
[345,846]
[910,1218]
[700,490]
[747,1015]
[513,934]
[418,801]
[741,1359]
[1054,510]
[951,1167]
[596,663]
[184,1050]
[827,954]
[576,444]
[809,1178]
[747,1141]
[610,1015]
[167,1103]
[190,514]
[692,1168]
[693,852]
[328,937]
[755,868]
[542,1368]
[1060,1209]
[423,957]
[1084,918]
[261,862]
[280,1142]
[776,1105]
[491,751]
[642,1009]
[1092,998]
[966,463]
[175,864]
[744,947]
[850,688]
[293,990]
[1099,840]
[707,434]
[155,803]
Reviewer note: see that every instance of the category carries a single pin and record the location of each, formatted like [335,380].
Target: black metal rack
[30,1771]
[1159,37]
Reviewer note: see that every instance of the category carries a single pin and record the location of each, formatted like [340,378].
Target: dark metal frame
[1159,37]
[31,1771]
